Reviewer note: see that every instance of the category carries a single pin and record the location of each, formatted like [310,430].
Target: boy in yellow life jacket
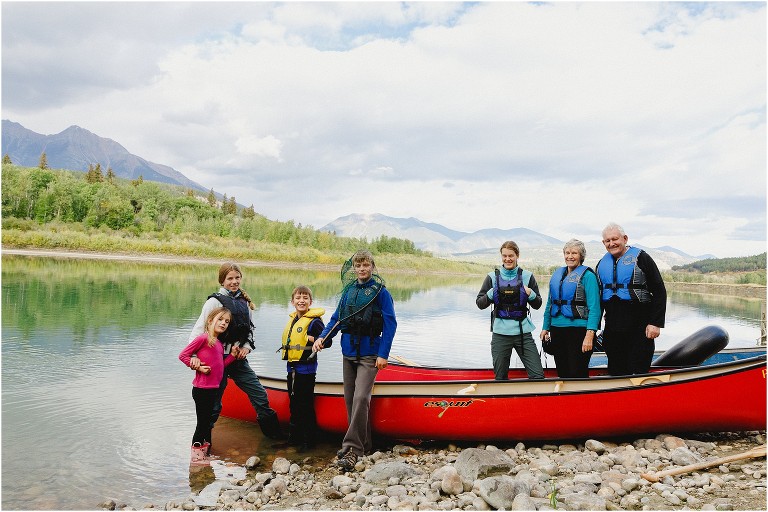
[305,324]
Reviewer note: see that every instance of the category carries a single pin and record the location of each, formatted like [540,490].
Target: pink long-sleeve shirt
[212,356]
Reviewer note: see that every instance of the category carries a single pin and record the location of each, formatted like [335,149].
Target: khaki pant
[358,385]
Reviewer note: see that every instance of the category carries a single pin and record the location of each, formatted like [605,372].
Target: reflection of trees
[724,305]
[85,296]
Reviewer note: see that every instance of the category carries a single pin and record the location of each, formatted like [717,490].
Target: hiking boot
[347,461]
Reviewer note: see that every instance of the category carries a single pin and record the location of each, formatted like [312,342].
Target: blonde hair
[362,255]
[228,267]
[213,316]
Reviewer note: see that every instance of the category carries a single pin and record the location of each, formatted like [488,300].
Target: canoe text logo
[448,404]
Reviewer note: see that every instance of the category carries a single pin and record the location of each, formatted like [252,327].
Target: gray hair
[579,245]
[611,227]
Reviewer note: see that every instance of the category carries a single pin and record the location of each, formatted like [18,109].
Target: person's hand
[381,363]
[528,291]
[652,332]
[544,336]
[586,345]
[243,352]
[204,369]
[234,352]
[194,363]
[317,346]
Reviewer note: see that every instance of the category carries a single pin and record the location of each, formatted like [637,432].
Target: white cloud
[634,112]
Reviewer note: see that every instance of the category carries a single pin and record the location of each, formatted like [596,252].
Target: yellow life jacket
[296,347]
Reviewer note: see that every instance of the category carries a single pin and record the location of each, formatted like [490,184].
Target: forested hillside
[740,264]
[94,203]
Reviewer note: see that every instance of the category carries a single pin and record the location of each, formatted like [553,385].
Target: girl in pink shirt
[205,386]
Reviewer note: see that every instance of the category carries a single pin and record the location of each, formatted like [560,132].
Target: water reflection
[96,404]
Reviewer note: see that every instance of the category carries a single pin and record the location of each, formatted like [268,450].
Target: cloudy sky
[558,117]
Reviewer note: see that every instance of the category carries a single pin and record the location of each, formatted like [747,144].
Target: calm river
[96,404]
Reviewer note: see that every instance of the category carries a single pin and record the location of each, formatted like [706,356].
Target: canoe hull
[729,397]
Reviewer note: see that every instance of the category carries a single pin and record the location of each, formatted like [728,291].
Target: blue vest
[622,278]
[567,294]
[509,298]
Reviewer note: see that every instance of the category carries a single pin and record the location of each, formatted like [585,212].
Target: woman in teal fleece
[572,316]
[512,291]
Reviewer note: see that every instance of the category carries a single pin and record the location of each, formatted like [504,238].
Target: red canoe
[463,406]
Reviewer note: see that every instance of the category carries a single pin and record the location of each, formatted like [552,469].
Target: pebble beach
[590,475]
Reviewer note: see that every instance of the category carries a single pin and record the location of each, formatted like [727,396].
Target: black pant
[629,352]
[303,425]
[569,359]
[205,399]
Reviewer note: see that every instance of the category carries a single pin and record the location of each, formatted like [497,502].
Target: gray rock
[522,502]
[381,472]
[281,465]
[252,462]
[589,478]
[500,491]
[451,483]
[671,442]
[584,502]
[209,495]
[682,456]
[340,481]
[474,463]
[595,446]
[396,490]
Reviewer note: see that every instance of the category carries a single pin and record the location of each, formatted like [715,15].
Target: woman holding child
[237,341]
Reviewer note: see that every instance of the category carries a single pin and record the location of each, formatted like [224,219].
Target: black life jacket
[364,317]
[240,329]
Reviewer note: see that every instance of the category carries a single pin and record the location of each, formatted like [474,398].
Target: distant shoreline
[753,291]
[152,258]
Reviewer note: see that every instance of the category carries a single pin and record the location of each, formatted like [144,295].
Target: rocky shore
[595,475]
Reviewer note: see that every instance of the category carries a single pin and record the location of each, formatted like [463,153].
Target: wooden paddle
[405,361]
[754,452]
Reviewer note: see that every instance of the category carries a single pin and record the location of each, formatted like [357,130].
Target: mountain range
[76,148]
[483,245]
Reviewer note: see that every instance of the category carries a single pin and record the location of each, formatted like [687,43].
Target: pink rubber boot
[198,456]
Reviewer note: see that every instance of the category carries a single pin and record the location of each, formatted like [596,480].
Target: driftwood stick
[754,452]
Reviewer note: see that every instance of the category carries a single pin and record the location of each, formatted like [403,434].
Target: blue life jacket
[622,278]
[567,294]
[240,328]
[509,298]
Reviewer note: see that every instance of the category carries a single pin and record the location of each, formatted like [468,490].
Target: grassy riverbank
[209,248]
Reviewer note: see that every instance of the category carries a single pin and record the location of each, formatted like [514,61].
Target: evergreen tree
[248,213]
[110,175]
[7,159]
[43,161]
[211,198]
[94,174]
[190,192]
[232,206]
[224,203]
